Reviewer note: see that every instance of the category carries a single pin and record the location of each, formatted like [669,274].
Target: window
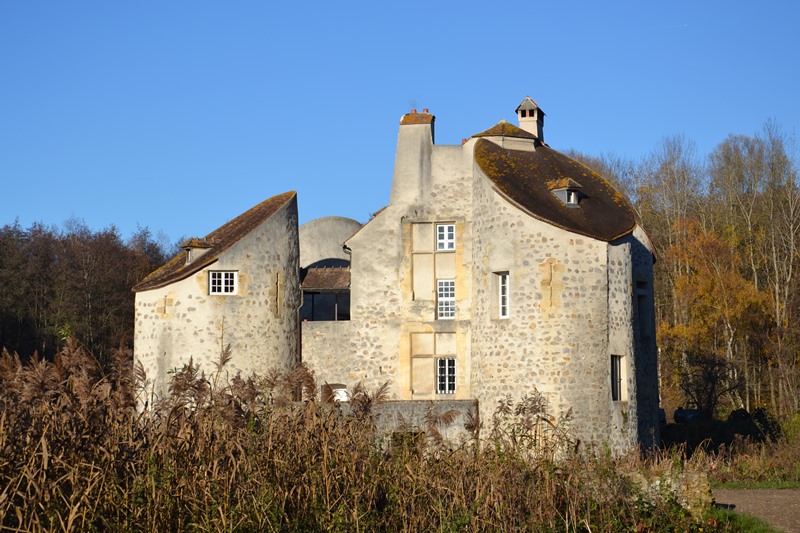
[617,388]
[502,294]
[446,298]
[572,197]
[643,307]
[446,375]
[445,237]
[222,282]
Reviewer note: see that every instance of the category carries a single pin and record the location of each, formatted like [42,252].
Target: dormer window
[195,248]
[567,190]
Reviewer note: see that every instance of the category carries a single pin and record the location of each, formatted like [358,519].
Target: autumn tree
[72,282]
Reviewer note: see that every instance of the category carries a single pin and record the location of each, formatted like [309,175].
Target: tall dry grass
[243,455]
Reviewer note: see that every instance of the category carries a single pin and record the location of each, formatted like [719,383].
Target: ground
[779,507]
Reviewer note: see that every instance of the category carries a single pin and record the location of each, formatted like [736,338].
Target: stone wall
[572,302]
[182,321]
[556,337]
[322,239]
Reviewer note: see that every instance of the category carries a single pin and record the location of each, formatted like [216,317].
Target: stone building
[499,266]
[237,286]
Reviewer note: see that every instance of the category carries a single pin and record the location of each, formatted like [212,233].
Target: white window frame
[223,282]
[445,375]
[445,237]
[445,299]
[503,295]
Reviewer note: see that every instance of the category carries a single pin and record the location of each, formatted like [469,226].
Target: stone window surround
[223,282]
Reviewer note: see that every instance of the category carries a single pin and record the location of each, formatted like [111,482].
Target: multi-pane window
[445,375]
[445,237]
[616,378]
[221,282]
[446,298]
[502,294]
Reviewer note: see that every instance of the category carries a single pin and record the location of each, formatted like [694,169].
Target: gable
[216,242]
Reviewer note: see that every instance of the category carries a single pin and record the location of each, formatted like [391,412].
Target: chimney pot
[413,111]
[425,110]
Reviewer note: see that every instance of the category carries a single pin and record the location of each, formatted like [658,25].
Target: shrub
[243,455]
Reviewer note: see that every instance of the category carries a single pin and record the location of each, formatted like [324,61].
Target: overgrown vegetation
[73,282]
[77,455]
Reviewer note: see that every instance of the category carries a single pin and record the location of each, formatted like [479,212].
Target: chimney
[531,118]
[412,163]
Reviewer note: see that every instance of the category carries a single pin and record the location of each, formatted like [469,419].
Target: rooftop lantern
[531,118]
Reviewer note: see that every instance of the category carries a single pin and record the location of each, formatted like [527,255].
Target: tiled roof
[217,242]
[505,129]
[322,278]
[196,242]
[563,183]
[417,118]
[524,178]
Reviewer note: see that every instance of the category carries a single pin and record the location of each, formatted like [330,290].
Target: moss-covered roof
[196,242]
[217,242]
[563,183]
[506,129]
[525,178]
[417,118]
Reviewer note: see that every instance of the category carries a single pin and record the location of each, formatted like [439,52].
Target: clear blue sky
[180,115]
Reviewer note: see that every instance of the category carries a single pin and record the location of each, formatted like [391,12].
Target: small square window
[445,375]
[445,237]
[446,298]
[225,283]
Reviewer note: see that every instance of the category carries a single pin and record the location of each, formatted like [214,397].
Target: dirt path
[780,508]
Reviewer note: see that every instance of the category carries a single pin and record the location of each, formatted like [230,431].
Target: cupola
[531,118]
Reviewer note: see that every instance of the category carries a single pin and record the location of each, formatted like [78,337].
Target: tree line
[71,282]
[726,229]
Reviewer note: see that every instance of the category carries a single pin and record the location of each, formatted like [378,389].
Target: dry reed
[242,454]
